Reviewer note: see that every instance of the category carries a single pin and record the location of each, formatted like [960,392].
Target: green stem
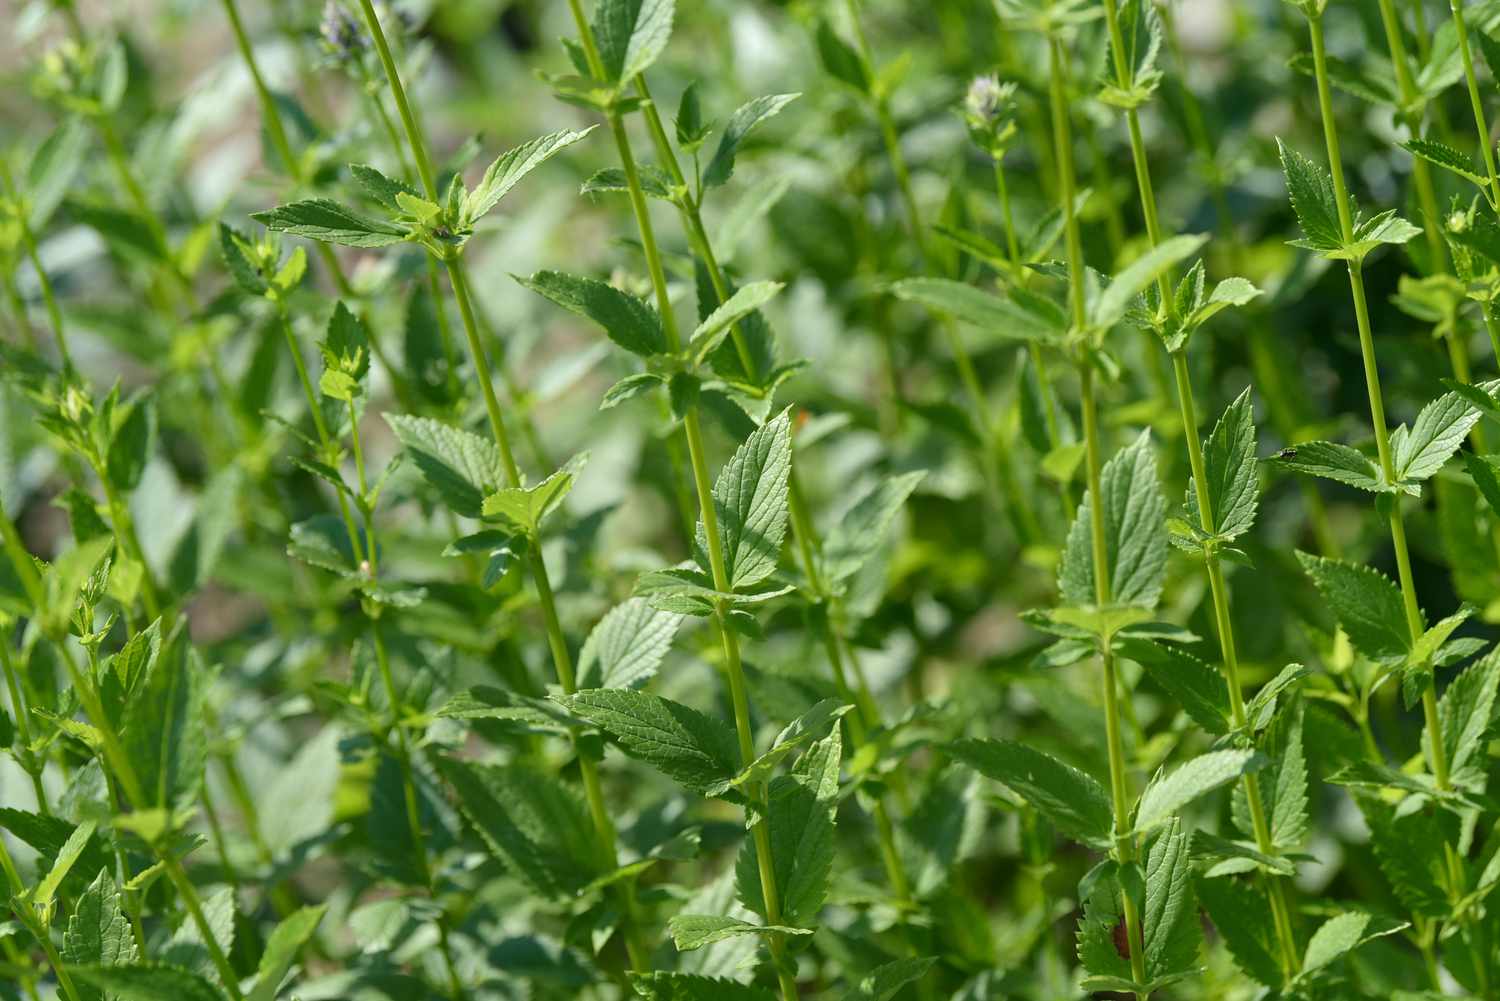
[1481,125]
[33,924]
[1436,755]
[33,766]
[1412,116]
[54,313]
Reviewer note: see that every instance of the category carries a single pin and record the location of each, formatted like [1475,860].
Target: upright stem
[23,221]
[1119,796]
[1486,144]
[702,482]
[1421,171]
[1437,756]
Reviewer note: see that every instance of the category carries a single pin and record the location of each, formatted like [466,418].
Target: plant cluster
[761,544]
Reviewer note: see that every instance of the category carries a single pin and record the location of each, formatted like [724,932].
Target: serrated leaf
[799,810]
[1135,533]
[658,986]
[998,316]
[1197,777]
[1365,602]
[1110,306]
[745,118]
[1467,709]
[1230,472]
[1341,934]
[509,167]
[860,533]
[163,727]
[461,466]
[379,186]
[1198,688]
[1169,917]
[697,751]
[1439,431]
[1242,918]
[694,931]
[631,34]
[716,326]
[131,443]
[626,647]
[1072,800]
[750,500]
[98,932]
[537,826]
[810,726]
[67,856]
[1311,190]
[526,508]
[627,320]
[330,222]
[148,982]
[1333,461]
[1444,156]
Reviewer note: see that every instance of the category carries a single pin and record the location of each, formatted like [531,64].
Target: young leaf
[130,446]
[1072,800]
[330,222]
[98,931]
[1366,604]
[1109,308]
[72,850]
[461,466]
[163,729]
[694,931]
[509,167]
[1199,776]
[745,118]
[1341,934]
[287,939]
[840,60]
[1283,786]
[631,34]
[526,507]
[750,500]
[626,647]
[712,331]
[695,750]
[1466,710]
[1438,432]
[1230,471]
[861,532]
[1333,461]
[883,982]
[627,320]
[1311,191]
[1135,533]
[1446,157]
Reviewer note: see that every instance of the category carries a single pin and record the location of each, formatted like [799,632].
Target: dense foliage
[885,501]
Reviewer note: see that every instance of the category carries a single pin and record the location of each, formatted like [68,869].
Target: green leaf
[1242,917]
[148,982]
[330,222]
[98,932]
[65,580]
[1169,917]
[380,187]
[163,728]
[1311,191]
[71,851]
[1466,710]
[197,552]
[1135,533]
[654,181]
[627,320]
[630,35]
[1341,934]
[461,466]
[883,982]
[799,811]
[130,446]
[627,646]
[859,534]
[808,727]
[712,331]
[1110,307]
[526,507]
[840,59]
[750,500]
[537,826]
[1484,470]
[657,986]
[630,387]
[1283,786]
[287,939]
[50,174]
[1446,157]
[1199,776]
[1198,688]
[997,316]
[188,949]
[1333,461]
[509,167]
[745,118]
[1229,468]
[1438,432]
[1411,849]
[1073,801]
[697,751]
[694,931]
[1366,604]
[232,246]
